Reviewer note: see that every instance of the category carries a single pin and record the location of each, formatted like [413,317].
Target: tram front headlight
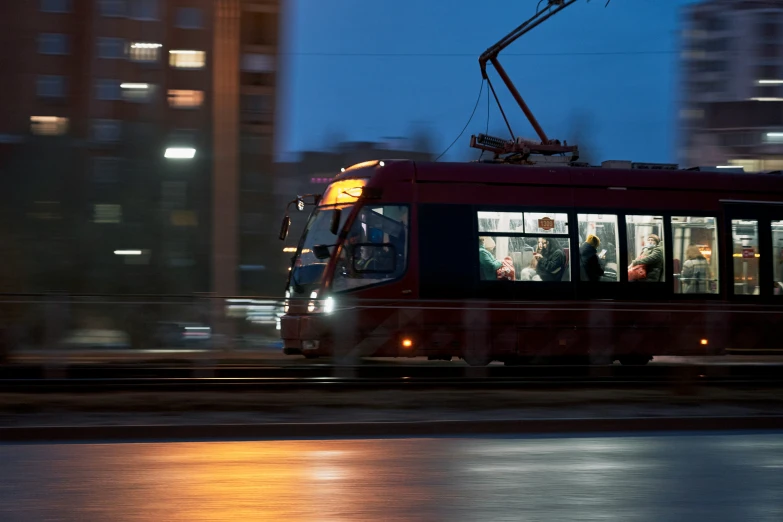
[325,306]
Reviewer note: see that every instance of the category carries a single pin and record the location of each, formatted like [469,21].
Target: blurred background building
[137,137]
[732,84]
[136,145]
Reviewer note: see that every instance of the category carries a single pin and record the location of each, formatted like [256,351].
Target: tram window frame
[759,253]
[343,237]
[719,244]
[604,244]
[628,290]
[764,213]
[516,289]
[777,259]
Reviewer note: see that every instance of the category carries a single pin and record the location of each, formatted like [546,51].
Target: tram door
[754,235]
[754,254]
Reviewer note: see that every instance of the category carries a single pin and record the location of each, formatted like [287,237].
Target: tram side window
[777,252]
[745,253]
[376,248]
[695,253]
[523,246]
[598,247]
[646,245]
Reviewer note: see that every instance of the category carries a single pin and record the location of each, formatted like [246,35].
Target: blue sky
[369,69]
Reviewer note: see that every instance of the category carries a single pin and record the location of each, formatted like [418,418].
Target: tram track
[96,379]
[272,371]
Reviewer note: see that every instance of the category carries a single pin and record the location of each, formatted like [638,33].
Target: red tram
[486,261]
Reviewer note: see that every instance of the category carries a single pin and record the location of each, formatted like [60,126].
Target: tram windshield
[322,231]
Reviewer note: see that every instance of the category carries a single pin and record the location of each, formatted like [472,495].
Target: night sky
[370,69]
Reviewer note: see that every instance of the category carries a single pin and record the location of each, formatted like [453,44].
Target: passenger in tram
[489,265]
[550,260]
[651,257]
[589,260]
[695,273]
[529,273]
[491,268]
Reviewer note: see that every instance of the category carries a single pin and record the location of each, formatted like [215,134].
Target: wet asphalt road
[676,477]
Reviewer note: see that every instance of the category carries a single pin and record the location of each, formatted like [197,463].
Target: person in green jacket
[489,265]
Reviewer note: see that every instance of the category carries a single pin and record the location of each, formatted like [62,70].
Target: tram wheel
[635,360]
[601,358]
[476,359]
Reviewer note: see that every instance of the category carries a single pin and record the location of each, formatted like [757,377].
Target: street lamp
[180,153]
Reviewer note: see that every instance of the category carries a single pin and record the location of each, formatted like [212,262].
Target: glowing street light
[180,153]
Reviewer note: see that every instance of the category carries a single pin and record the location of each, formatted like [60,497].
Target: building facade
[130,131]
[732,85]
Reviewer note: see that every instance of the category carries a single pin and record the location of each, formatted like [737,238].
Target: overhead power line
[474,55]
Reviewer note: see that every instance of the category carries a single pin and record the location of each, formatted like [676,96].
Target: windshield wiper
[295,282]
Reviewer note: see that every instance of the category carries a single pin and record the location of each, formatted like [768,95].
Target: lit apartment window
[105,213]
[137,92]
[144,51]
[53,43]
[750,165]
[183,99]
[107,89]
[189,18]
[112,8]
[48,125]
[51,86]
[105,169]
[56,6]
[773,137]
[106,131]
[186,59]
[143,9]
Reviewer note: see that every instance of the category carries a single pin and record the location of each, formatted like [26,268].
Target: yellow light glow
[407,343]
[343,191]
[186,59]
[179,98]
[364,164]
[48,125]
[704,342]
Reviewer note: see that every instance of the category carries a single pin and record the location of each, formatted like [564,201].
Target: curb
[383,429]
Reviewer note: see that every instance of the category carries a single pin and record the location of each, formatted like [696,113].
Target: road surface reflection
[711,477]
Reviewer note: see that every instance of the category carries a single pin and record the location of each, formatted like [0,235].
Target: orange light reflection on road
[334,480]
